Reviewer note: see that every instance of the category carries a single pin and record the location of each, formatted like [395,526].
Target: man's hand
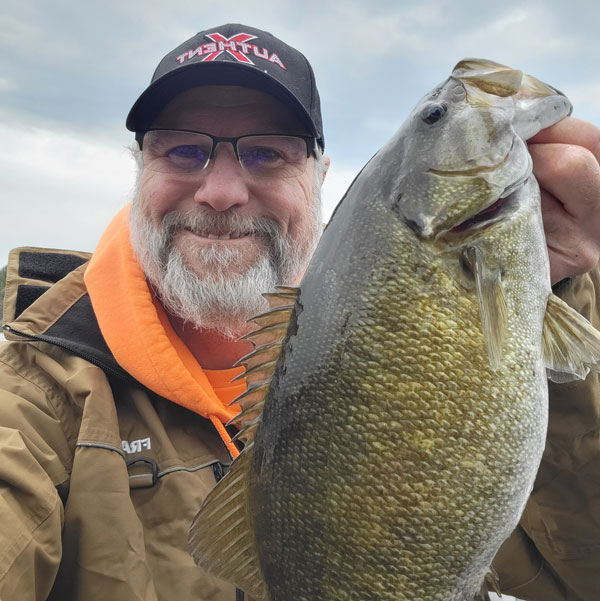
[566,161]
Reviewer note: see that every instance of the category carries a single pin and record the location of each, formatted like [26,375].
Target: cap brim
[158,94]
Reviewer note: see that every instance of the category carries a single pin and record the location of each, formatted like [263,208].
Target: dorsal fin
[294,290]
[262,361]
[254,396]
[268,335]
[262,354]
[260,372]
[281,299]
[222,535]
[273,317]
[248,433]
[222,538]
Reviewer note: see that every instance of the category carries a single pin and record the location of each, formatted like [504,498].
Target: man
[117,381]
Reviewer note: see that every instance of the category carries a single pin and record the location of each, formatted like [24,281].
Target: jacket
[102,476]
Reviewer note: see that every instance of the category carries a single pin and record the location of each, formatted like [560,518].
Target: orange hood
[138,332]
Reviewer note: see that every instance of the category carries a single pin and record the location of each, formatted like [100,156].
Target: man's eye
[189,152]
[261,155]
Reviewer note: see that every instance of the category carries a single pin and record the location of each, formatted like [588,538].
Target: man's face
[223,231]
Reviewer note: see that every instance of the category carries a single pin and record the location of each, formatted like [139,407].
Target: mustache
[206,221]
[228,222]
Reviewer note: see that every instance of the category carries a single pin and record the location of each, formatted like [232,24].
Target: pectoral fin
[570,344]
[490,583]
[492,304]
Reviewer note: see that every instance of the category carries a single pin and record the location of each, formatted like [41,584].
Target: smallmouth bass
[396,408]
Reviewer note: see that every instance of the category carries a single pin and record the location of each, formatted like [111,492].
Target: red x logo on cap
[230,45]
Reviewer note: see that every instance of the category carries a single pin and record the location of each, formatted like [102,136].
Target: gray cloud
[71,70]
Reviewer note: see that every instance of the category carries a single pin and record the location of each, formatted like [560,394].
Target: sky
[70,71]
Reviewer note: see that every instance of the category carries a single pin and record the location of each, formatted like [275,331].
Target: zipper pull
[217,470]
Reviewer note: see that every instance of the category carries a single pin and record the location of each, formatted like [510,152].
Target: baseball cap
[233,54]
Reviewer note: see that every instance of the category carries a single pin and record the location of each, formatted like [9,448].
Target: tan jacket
[554,555]
[101,477]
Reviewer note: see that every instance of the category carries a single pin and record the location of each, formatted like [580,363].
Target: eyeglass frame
[310,141]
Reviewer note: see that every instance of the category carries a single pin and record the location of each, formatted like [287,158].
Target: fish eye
[433,112]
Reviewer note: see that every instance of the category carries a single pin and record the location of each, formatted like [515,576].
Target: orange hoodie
[138,332]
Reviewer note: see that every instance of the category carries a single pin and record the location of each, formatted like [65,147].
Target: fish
[397,402]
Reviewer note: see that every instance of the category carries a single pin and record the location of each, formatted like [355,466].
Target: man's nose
[223,186]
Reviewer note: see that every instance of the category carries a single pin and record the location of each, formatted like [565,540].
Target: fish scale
[413,513]
[401,427]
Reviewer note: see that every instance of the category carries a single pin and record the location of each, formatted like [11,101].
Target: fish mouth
[485,218]
[499,210]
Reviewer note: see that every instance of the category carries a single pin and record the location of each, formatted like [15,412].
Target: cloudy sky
[70,71]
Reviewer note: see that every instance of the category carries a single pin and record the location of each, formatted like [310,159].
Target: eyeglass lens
[169,151]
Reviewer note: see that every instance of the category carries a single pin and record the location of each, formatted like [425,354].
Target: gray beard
[221,300]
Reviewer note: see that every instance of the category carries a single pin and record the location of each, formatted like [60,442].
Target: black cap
[233,54]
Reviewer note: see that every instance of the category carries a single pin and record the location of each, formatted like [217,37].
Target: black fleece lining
[78,331]
[48,267]
[27,295]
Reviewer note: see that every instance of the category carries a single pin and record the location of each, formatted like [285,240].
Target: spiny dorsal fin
[293,290]
[267,335]
[280,299]
[222,534]
[262,361]
[248,415]
[492,304]
[249,401]
[258,356]
[570,344]
[276,316]
[261,372]
[222,537]
[255,393]
[247,434]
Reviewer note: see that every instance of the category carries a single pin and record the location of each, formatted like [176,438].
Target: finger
[571,131]
[569,253]
[572,175]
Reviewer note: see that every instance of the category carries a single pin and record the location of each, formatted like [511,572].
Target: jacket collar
[46,299]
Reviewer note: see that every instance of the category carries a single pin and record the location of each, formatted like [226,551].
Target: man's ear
[326,163]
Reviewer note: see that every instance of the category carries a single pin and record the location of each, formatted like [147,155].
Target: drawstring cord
[218,424]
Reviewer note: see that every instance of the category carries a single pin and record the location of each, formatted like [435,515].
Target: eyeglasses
[263,155]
